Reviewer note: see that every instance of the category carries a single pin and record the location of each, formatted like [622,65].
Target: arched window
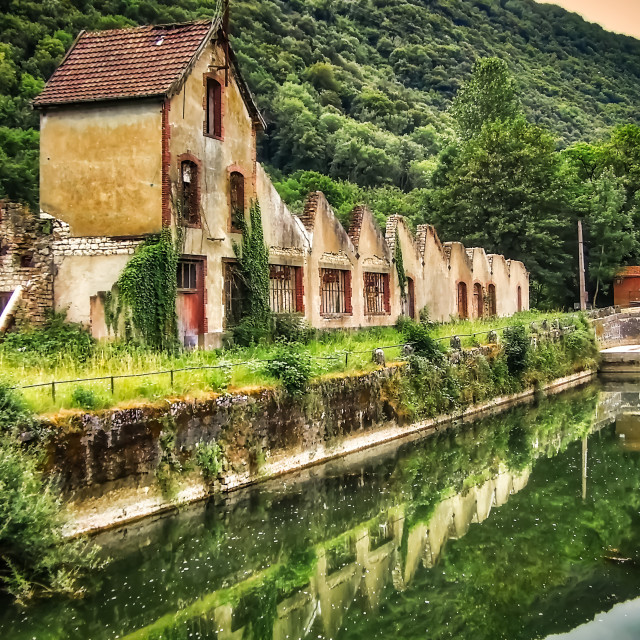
[462,300]
[493,309]
[519,298]
[478,301]
[236,200]
[190,193]
[214,108]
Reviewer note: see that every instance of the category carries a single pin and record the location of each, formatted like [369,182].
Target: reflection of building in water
[356,566]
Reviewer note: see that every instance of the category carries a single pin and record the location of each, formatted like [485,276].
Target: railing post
[346,359]
[172,378]
[53,391]
[112,386]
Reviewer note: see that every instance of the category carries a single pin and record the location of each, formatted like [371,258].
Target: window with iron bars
[186,276]
[282,289]
[333,291]
[376,296]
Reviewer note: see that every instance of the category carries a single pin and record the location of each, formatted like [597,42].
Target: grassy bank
[62,353]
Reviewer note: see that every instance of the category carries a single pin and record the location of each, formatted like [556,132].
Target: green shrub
[516,349]
[209,458]
[34,556]
[56,337]
[419,335]
[219,379]
[291,327]
[84,398]
[14,413]
[291,366]
[581,344]
[251,332]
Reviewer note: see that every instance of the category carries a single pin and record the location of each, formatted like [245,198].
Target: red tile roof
[124,63]
[629,272]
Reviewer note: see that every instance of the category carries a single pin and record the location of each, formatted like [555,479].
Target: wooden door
[411,292]
[190,302]
[462,300]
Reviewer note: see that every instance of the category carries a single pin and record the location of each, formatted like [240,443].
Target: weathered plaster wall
[100,168]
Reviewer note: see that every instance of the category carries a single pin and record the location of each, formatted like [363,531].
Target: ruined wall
[26,259]
[101,169]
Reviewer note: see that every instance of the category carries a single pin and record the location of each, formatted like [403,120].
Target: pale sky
[622,16]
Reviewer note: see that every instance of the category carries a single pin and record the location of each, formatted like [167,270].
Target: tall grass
[332,353]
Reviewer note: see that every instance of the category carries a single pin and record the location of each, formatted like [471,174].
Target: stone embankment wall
[113,465]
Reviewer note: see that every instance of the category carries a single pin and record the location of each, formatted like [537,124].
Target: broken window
[214,108]
[236,201]
[478,301]
[27,261]
[285,289]
[190,197]
[519,298]
[335,291]
[233,295]
[376,294]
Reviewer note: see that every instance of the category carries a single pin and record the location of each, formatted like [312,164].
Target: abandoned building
[151,127]
[626,287]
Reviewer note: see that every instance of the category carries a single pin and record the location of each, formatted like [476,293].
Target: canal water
[523,525]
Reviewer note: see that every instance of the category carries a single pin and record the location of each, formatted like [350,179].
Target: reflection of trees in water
[442,485]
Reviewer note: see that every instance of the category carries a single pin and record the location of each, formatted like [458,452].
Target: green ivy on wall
[146,293]
[253,262]
[402,276]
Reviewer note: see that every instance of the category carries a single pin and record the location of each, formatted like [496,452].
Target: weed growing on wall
[209,458]
[516,348]
[402,276]
[253,262]
[14,413]
[146,294]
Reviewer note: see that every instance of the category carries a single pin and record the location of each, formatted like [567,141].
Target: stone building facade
[167,129]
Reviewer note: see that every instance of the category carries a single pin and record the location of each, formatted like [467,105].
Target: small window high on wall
[376,294]
[236,200]
[335,291]
[214,108]
[190,193]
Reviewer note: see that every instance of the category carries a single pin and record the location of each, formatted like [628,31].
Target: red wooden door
[190,302]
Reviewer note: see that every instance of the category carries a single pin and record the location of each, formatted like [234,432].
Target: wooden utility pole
[583,289]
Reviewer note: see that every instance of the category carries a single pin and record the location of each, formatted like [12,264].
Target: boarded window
[5,296]
[376,293]
[335,294]
[187,279]
[492,300]
[214,108]
[282,288]
[190,197]
[236,186]
[233,295]
[462,300]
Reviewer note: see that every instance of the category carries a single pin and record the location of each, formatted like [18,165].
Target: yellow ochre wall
[100,168]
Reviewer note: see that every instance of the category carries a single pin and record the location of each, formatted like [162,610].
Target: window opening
[214,108]
[375,293]
[462,299]
[333,291]
[233,295]
[186,277]
[190,204]
[236,185]
[282,288]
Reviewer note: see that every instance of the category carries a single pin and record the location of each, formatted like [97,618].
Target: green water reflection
[518,526]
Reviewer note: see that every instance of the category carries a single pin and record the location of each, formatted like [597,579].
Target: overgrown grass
[24,362]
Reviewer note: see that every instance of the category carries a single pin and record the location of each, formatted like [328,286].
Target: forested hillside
[358,96]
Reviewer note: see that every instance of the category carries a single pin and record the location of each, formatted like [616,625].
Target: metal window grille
[374,284]
[332,293]
[236,186]
[282,288]
[186,277]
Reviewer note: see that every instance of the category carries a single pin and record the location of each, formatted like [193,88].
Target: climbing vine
[402,276]
[253,262]
[146,294]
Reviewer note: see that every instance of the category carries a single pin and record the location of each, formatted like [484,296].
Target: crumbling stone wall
[26,259]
